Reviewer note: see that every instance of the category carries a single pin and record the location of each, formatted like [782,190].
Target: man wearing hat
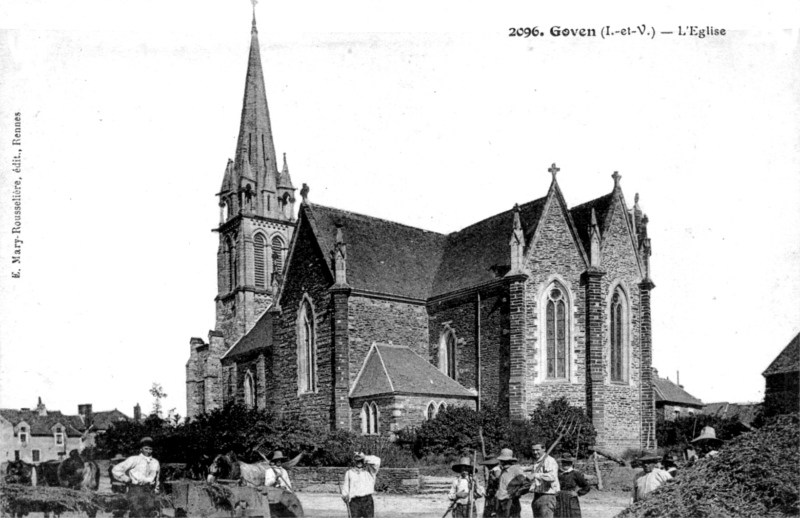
[459,491]
[140,473]
[508,501]
[573,485]
[707,442]
[276,475]
[359,484]
[492,467]
[545,484]
[650,478]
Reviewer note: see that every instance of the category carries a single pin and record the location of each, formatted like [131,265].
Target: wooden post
[597,472]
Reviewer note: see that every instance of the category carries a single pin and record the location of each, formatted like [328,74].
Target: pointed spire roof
[255,145]
[285,180]
[226,179]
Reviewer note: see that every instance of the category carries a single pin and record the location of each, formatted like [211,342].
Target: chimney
[85,411]
[41,409]
[137,413]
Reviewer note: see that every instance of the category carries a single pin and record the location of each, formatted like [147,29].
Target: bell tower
[257,218]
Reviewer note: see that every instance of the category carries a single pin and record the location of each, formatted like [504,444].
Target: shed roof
[788,360]
[396,369]
[668,392]
[746,412]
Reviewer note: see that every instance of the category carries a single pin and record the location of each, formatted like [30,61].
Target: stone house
[782,392]
[672,400]
[40,434]
[371,325]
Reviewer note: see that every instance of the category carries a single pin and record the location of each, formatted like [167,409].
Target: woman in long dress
[573,485]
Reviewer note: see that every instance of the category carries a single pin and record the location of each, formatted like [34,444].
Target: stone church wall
[555,257]
[400,411]
[623,401]
[309,278]
[460,315]
[375,320]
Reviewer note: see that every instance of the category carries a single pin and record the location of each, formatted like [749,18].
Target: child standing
[460,490]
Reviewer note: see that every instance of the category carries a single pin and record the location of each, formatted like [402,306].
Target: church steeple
[255,162]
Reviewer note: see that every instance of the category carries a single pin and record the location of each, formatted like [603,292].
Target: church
[370,325]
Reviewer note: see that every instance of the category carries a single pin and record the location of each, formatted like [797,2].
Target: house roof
[259,337]
[746,412]
[382,256]
[788,360]
[43,424]
[389,369]
[104,419]
[480,253]
[668,392]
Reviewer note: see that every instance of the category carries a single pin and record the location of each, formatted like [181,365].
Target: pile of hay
[755,474]
[57,500]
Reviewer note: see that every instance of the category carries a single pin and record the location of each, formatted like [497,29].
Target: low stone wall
[327,480]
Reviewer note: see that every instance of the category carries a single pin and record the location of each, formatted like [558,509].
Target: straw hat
[707,434]
[463,462]
[117,457]
[278,455]
[648,457]
[506,454]
[490,461]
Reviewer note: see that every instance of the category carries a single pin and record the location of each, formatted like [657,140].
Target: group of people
[555,488]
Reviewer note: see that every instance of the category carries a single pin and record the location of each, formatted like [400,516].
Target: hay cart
[228,499]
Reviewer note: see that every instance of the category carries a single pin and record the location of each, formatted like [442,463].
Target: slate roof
[582,217]
[382,256]
[746,412]
[42,425]
[788,360]
[259,337]
[668,392]
[480,253]
[392,369]
[105,418]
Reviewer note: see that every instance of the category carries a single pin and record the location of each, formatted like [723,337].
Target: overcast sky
[425,114]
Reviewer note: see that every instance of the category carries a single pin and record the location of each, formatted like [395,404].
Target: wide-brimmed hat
[567,458]
[506,454]
[490,461]
[117,457]
[146,441]
[707,434]
[648,457]
[359,456]
[463,462]
[277,455]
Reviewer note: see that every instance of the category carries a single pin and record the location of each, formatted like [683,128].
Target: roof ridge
[383,364]
[484,220]
[313,205]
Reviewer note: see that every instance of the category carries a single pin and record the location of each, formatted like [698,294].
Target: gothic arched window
[556,331]
[260,260]
[306,350]
[618,361]
[369,419]
[430,411]
[447,354]
[277,255]
[249,391]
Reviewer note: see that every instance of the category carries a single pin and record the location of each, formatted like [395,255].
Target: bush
[455,431]
[675,435]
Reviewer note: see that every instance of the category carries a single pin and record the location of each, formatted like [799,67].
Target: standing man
[647,480]
[359,484]
[140,473]
[492,467]
[545,484]
[460,490]
[276,476]
[507,503]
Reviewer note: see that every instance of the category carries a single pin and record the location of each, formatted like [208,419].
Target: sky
[426,114]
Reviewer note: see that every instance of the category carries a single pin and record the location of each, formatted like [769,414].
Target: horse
[20,472]
[228,467]
[75,472]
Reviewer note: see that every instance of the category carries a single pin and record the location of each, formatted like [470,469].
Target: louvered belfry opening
[260,262]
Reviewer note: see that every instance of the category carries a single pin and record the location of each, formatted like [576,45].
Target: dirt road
[597,504]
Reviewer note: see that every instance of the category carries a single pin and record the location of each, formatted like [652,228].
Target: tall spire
[255,146]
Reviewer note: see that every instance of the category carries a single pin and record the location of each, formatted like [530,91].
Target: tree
[158,394]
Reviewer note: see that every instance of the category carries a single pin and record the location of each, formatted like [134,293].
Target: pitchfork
[565,427]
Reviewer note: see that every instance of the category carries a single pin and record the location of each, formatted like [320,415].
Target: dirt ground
[597,504]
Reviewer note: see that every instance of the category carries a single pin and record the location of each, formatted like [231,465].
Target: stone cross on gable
[554,170]
[616,176]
